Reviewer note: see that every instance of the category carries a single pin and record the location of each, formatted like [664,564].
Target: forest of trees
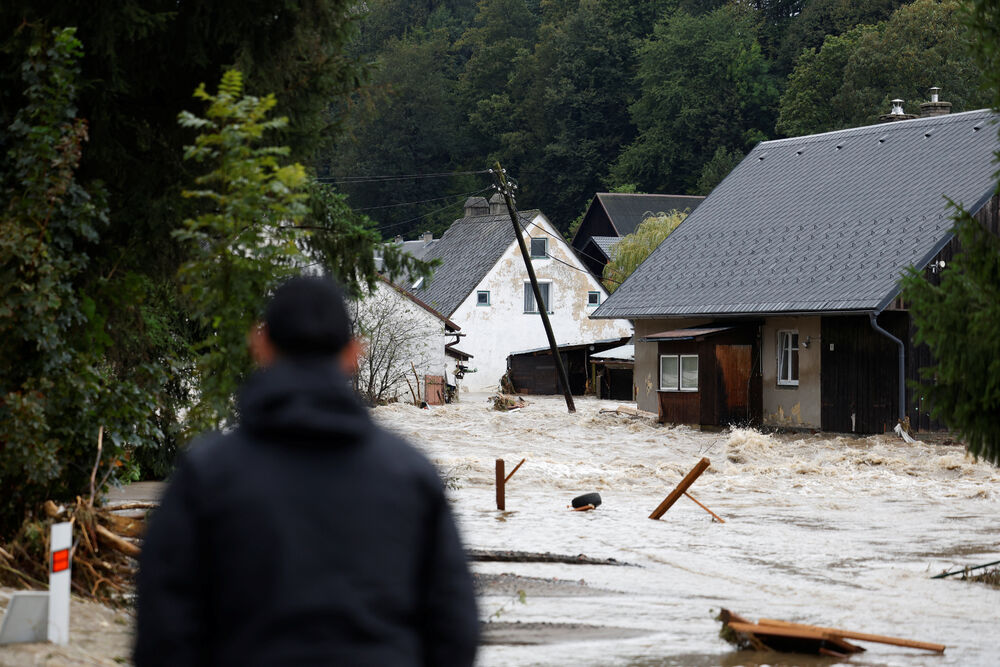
[580,96]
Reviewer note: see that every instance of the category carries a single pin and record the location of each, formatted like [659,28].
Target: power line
[394,177]
[429,213]
[420,201]
[555,259]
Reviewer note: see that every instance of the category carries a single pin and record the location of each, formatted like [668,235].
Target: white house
[482,286]
[405,342]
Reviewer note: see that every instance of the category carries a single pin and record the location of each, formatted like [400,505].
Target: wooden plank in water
[859,636]
[681,488]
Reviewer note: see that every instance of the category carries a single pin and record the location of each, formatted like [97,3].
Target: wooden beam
[507,478]
[717,517]
[681,488]
[859,636]
[776,631]
[500,484]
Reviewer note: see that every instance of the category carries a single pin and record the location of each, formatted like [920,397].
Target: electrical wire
[394,177]
[556,259]
[429,213]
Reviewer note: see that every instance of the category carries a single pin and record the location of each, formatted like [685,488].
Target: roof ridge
[879,127]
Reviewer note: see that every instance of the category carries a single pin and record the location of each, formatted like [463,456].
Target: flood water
[825,530]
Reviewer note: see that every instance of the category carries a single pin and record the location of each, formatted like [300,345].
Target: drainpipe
[902,364]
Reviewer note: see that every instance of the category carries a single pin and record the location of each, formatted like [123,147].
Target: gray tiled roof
[820,223]
[606,243]
[468,250]
[626,211]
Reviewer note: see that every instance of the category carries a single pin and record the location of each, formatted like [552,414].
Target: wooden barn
[534,371]
[777,300]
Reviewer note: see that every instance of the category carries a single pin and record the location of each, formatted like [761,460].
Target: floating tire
[587,499]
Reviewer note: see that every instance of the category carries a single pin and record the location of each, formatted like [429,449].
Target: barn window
[483,297]
[788,358]
[529,298]
[539,248]
[678,372]
[593,299]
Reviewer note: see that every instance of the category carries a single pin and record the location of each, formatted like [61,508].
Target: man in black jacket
[308,535]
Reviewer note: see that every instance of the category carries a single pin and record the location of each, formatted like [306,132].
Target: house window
[539,248]
[483,297]
[678,372]
[529,297]
[593,299]
[788,358]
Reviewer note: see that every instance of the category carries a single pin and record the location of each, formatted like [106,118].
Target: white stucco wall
[495,331]
[401,329]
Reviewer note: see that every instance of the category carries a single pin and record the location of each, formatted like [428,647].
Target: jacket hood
[305,401]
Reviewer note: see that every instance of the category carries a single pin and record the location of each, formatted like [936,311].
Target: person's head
[306,318]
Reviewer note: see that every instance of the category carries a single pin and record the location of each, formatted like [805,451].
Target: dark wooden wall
[730,389]
[536,373]
[860,375]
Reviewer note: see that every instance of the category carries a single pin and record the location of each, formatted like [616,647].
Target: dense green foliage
[57,387]
[959,318]
[705,83]
[960,322]
[247,240]
[634,248]
[852,79]
[95,328]
[581,96]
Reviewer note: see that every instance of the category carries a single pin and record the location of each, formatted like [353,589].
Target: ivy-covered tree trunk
[56,388]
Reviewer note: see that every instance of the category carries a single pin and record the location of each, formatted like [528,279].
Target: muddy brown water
[820,529]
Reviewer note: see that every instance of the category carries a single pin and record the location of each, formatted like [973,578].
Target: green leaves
[245,241]
[852,79]
[634,248]
[55,387]
[959,319]
[705,84]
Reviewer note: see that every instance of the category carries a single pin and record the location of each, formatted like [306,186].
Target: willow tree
[634,248]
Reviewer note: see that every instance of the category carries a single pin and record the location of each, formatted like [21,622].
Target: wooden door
[734,365]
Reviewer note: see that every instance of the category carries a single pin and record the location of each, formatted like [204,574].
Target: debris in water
[488,556]
[681,490]
[506,402]
[788,637]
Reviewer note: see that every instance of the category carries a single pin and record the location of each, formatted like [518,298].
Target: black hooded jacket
[307,536]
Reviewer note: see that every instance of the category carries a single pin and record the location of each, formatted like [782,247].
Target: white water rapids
[832,531]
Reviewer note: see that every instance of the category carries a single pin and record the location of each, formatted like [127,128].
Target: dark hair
[307,317]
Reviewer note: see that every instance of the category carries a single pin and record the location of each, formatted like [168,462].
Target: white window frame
[545,244]
[543,285]
[788,341]
[480,293]
[677,371]
[678,363]
[596,303]
[680,372]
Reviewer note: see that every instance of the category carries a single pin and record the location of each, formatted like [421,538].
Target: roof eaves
[430,309]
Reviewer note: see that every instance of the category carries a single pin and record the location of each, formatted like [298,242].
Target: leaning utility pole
[506,189]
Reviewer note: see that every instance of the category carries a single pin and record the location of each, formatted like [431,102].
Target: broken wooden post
[516,468]
[501,480]
[714,515]
[688,480]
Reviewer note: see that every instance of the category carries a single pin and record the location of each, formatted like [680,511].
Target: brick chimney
[935,107]
[897,113]
[426,237]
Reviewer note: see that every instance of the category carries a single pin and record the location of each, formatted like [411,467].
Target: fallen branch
[137,505]
[117,543]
